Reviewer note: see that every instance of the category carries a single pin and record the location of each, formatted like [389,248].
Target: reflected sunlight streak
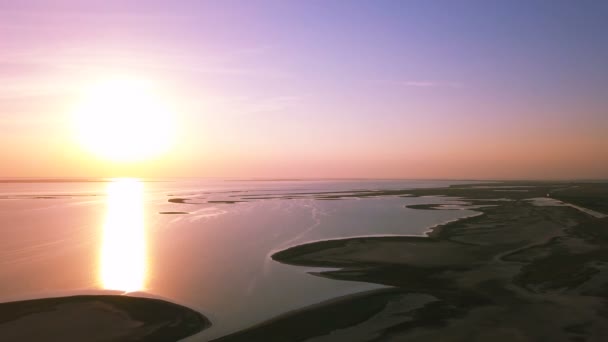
[123,251]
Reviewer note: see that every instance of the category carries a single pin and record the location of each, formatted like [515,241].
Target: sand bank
[98,318]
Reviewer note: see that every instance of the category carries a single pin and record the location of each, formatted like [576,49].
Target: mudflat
[530,267]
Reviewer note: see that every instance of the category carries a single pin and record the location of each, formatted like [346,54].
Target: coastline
[514,263]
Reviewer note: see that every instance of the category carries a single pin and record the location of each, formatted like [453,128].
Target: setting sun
[124,120]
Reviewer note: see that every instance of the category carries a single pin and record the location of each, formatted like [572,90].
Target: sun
[124,120]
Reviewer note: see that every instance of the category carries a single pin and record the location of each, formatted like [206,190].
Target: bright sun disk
[124,120]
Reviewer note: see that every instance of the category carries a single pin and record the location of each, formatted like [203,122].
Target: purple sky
[408,89]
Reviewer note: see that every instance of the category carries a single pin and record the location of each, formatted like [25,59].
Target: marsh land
[530,267]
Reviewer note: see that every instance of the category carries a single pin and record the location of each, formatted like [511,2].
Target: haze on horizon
[374,89]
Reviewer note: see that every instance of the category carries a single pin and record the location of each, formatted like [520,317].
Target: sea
[203,243]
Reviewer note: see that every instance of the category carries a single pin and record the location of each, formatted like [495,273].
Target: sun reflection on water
[123,250]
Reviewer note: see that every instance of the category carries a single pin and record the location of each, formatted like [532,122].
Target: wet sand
[98,318]
[518,272]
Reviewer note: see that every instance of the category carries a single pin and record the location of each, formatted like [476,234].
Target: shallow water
[74,237]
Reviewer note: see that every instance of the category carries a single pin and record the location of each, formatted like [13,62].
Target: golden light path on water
[123,251]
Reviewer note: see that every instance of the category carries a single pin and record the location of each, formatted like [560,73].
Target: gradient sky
[376,89]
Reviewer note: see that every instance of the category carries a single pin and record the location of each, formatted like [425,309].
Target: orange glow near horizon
[123,250]
[215,89]
[123,120]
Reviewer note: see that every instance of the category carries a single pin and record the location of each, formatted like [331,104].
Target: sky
[316,89]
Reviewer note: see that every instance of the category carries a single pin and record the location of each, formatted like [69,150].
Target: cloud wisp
[432,84]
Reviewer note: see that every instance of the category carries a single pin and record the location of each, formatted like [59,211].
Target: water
[85,236]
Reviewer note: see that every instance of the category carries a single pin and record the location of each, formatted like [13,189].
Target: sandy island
[98,318]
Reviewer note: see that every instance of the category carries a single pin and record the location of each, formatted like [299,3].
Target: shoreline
[514,263]
[425,233]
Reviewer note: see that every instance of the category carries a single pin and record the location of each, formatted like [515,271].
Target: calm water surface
[60,238]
